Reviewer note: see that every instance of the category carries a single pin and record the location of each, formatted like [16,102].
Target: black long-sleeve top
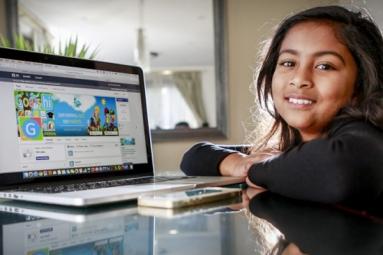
[346,165]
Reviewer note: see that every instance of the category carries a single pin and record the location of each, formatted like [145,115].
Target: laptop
[75,132]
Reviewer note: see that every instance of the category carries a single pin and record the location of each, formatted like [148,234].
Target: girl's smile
[314,77]
[300,101]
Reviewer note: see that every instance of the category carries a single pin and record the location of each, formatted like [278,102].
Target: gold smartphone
[188,197]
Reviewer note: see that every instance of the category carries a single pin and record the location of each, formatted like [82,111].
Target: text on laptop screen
[63,120]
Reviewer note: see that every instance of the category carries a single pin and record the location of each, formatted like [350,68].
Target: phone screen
[191,193]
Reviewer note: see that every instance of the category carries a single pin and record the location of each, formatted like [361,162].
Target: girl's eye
[287,63]
[325,67]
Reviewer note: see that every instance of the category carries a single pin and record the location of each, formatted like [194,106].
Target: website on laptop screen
[59,120]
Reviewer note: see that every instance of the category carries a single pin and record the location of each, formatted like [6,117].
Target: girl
[323,73]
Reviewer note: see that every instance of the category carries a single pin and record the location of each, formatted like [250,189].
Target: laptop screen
[64,117]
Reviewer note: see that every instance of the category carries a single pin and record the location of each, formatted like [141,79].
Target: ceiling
[180,31]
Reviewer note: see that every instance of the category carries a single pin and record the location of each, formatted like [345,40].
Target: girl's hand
[238,164]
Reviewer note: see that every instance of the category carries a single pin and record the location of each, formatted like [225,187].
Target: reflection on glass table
[310,228]
[118,235]
[127,233]
[265,224]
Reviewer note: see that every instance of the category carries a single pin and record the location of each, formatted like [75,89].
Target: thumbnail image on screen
[44,114]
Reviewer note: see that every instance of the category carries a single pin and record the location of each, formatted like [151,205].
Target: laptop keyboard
[57,188]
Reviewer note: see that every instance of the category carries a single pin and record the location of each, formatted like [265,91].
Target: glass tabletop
[257,223]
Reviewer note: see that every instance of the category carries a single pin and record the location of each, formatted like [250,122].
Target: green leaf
[4,42]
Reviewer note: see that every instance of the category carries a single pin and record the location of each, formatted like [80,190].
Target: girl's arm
[345,166]
[205,158]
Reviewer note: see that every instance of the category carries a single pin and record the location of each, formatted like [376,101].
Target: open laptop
[75,132]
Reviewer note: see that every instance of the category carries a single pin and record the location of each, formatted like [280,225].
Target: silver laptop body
[76,123]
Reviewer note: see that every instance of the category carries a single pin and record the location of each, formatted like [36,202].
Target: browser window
[68,120]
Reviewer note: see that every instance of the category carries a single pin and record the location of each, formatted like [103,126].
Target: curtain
[190,86]
[166,105]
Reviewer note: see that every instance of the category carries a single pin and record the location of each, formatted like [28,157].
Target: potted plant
[70,48]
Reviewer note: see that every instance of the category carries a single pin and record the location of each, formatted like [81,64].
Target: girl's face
[314,78]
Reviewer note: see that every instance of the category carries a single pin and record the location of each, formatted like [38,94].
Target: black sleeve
[345,166]
[203,158]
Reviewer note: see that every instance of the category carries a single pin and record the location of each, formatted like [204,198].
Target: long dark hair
[362,38]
